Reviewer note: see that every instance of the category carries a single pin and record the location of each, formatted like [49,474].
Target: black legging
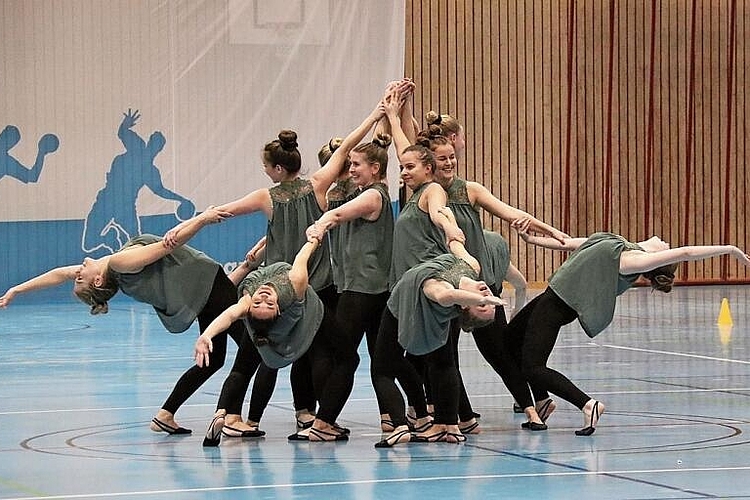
[334,361]
[390,364]
[303,392]
[444,377]
[300,375]
[531,336]
[223,294]
[490,343]
[235,386]
[421,367]
[465,410]
[358,314]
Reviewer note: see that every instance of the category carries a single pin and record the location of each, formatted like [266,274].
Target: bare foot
[323,431]
[433,434]
[386,424]
[400,434]
[304,418]
[422,424]
[471,426]
[592,412]
[236,422]
[164,422]
[545,408]
[454,434]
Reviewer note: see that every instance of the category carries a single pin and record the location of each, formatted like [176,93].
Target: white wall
[218,78]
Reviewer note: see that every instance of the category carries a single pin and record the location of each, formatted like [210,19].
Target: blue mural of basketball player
[9,137]
[113,218]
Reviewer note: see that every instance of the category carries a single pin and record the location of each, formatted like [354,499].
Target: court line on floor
[674,353]
[613,474]
[285,405]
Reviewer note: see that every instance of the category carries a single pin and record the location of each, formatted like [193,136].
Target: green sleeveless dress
[468,219]
[295,208]
[341,192]
[499,252]
[177,285]
[367,252]
[589,281]
[294,330]
[415,238]
[423,325]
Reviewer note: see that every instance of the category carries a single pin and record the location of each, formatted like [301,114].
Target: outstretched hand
[7,298]
[739,254]
[203,349]
[523,226]
[130,118]
[211,215]
[404,85]
[392,103]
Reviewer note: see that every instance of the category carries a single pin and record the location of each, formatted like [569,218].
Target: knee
[216,361]
[238,377]
[352,362]
[380,370]
[209,370]
[533,373]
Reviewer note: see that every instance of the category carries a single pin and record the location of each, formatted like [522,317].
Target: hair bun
[662,278]
[99,308]
[422,140]
[288,140]
[382,140]
[433,118]
[434,130]
[335,143]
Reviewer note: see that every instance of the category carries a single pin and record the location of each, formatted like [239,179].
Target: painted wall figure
[113,218]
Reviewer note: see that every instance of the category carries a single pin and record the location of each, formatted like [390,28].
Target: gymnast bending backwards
[181,283]
[585,287]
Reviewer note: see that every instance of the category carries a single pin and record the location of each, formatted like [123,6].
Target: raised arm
[298,273]
[392,109]
[253,260]
[53,277]
[327,174]
[634,261]
[130,139]
[409,124]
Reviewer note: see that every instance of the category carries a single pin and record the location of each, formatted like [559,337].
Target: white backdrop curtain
[216,78]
